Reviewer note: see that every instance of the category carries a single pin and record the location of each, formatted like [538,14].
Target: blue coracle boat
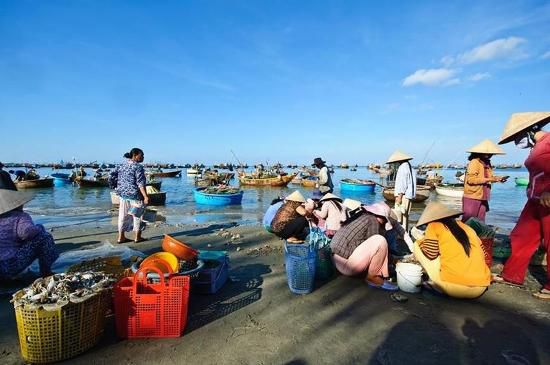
[61,179]
[363,186]
[217,199]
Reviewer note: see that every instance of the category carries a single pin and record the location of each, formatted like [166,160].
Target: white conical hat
[296,197]
[11,199]
[398,156]
[487,147]
[351,204]
[519,122]
[436,211]
[329,196]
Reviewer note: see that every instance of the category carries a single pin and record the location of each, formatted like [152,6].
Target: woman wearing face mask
[479,177]
[533,227]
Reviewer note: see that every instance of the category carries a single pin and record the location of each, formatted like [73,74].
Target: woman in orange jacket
[478,180]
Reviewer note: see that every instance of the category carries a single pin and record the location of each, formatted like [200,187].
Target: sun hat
[399,156]
[381,210]
[519,122]
[351,204]
[436,211]
[487,147]
[11,199]
[318,161]
[296,197]
[329,196]
[316,195]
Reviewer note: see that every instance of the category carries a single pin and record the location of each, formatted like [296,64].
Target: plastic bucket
[409,277]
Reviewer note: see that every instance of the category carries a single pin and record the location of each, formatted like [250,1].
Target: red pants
[532,227]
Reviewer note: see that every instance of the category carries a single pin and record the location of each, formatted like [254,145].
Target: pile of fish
[60,289]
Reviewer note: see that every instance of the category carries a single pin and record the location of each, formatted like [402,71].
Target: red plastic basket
[488,244]
[145,309]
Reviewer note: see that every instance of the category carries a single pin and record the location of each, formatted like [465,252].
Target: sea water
[70,205]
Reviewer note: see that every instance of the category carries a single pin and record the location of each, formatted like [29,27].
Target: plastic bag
[69,258]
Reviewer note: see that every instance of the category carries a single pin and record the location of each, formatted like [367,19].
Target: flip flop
[386,285]
[500,280]
[543,294]
[140,240]
[124,240]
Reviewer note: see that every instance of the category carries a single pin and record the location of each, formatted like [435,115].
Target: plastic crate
[212,277]
[47,336]
[300,262]
[145,309]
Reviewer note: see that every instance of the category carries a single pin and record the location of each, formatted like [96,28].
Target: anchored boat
[218,196]
[357,185]
[450,190]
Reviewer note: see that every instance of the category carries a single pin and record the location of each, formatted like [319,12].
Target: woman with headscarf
[359,247]
[478,180]
[129,180]
[22,241]
[451,253]
[533,226]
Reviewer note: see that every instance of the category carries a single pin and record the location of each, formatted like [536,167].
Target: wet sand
[255,319]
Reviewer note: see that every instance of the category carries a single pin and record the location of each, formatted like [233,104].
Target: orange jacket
[475,179]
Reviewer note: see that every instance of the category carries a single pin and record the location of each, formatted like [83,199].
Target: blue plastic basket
[300,262]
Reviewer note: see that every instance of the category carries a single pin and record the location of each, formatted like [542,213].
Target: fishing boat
[450,190]
[357,185]
[92,183]
[155,184]
[192,171]
[176,173]
[521,181]
[34,184]
[276,181]
[60,179]
[218,196]
[432,181]
[155,199]
[422,194]
[310,181]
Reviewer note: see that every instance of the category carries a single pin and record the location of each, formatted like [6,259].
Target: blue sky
[273,80]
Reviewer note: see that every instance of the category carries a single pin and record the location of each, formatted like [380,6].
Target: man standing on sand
[325,180]
[405,187]
[5,179]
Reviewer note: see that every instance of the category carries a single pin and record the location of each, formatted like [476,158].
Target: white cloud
[431,77]
[500,48]
[479,76]
[546,56]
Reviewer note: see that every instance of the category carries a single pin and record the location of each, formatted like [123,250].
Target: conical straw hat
[351,204]
[11,199]
[436,211]
[487,147]
[398,156]
[296,197]
[330,196]
[519,122]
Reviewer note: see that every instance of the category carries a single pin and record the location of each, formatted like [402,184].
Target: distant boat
[34,184]
[422,194]
[165,174]
[357,185]
[450,190]
[92,183]
[192,171]
[279,180]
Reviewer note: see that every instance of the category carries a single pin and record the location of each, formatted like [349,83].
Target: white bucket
[409,277]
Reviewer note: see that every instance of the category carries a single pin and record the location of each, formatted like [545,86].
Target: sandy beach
[255,319]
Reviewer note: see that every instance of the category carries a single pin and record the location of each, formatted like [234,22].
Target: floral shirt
[16,227]
[131,176]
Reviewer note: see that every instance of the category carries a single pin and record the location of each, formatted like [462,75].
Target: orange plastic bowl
[160,264]
[170,258]
[180,249]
